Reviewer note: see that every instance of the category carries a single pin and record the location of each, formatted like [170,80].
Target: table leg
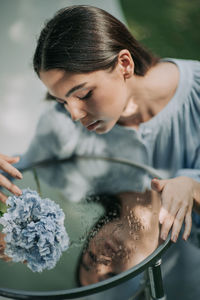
[156,282]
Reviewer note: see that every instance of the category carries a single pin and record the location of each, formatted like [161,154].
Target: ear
[125,63]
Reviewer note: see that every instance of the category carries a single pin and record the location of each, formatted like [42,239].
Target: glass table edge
[93,288]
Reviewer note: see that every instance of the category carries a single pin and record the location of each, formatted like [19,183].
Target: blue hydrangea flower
[34,230]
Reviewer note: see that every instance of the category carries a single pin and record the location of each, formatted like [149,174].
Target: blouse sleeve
[194,170]
[192,173]
[191,113]
[56,136]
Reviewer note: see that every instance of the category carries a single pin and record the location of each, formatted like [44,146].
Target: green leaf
[3,208]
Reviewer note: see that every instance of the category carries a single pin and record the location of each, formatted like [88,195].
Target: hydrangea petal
[35,231]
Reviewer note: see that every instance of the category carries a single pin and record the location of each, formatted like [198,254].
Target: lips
[93,125]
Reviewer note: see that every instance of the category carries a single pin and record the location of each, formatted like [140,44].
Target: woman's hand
[177,195]
[5,165]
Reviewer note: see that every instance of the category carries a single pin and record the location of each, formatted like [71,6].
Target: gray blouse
[169,142]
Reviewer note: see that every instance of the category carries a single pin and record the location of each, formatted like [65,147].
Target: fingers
[5,165]
[177,201]
[166,226]
[168,207]
[158,185]
[10,159]
[178,222]
[4,182]
[163,214]
[188,224]
[175,221]
[3,197]
[8,168]
[171,214]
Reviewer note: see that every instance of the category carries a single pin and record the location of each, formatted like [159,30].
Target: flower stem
[37,181]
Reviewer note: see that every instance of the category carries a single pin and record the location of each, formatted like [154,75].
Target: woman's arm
[56,136]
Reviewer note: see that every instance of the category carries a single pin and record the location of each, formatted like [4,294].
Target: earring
[127,72]
[126,75]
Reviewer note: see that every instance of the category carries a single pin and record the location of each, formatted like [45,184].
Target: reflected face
[96,99]
[111,252]
[125,241]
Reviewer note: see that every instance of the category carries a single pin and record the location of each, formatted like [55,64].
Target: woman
[123,102]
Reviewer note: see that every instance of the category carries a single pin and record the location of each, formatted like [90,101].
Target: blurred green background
[169,28]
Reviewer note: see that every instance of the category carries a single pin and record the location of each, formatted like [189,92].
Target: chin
[100,131]
[104,129]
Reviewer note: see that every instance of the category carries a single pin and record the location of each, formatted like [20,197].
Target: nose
[76,111]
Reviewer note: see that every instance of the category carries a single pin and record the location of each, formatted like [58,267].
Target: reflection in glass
[111,218]
[2,248]
[122,238]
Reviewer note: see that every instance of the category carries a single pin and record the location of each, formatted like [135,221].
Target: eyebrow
[85,266]
[75,88]
[92,256]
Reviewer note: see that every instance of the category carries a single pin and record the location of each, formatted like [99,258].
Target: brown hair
[83,39]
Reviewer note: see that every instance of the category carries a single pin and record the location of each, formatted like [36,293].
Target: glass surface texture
[111,217]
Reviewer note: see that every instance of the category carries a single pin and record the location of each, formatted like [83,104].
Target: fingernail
[185,238]
[19,176]
[17,191]
[174,238]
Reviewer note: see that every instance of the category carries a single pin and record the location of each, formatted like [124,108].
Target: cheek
[109,103]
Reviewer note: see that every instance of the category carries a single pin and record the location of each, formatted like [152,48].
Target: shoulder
[188,66]
[185,103]
[190,69]
[189,82]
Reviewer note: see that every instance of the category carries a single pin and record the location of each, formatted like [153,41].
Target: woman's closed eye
[61,101]
[87,96]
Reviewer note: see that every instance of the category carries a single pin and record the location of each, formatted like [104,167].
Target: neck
[149,94]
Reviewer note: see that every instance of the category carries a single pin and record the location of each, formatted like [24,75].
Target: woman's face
[113,250]
[97,99]
[125,241]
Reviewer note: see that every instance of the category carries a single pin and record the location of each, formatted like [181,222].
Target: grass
[169,28]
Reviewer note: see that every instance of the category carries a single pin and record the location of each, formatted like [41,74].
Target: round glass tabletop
[111,217]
